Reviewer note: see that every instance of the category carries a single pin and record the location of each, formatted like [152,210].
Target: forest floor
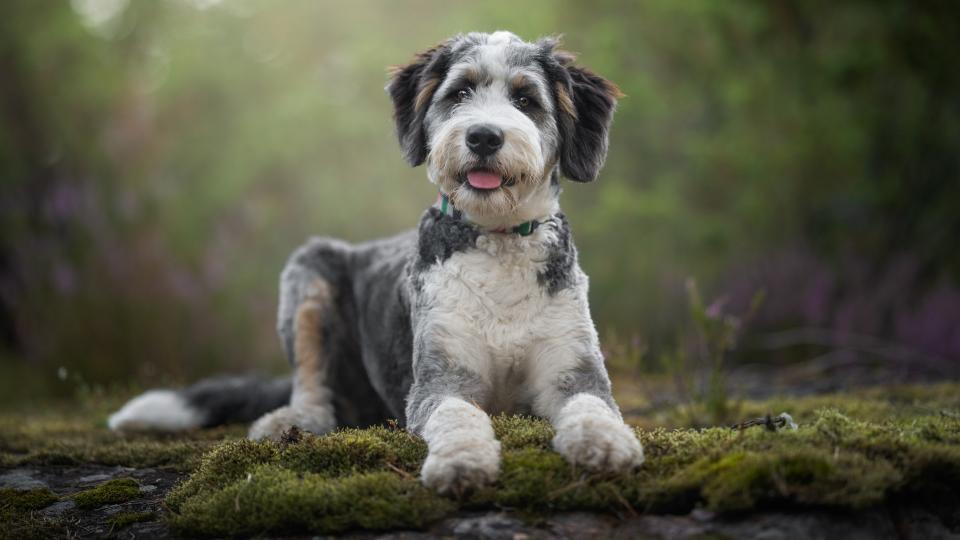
[876,462]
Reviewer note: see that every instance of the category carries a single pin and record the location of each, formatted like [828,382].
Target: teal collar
[524,229]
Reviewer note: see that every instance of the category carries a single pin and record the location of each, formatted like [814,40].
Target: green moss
[872,404]
[851,451]
[367,478]
[27,526]
[18,514]
[281,501]
[515,432]
[352,451]
[26,499]
[66,440]
[123,519]
[111,492]
[806,476]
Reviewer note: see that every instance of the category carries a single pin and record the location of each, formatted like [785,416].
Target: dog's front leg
[443,408]
[573,392]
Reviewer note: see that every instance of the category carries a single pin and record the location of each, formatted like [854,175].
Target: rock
[109,474]
[493,526]
[901,522]
[94,478]
[21,479]
[57,509]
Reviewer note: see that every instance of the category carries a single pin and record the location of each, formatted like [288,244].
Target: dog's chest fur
[494,301]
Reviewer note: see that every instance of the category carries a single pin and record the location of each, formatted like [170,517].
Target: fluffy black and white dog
[483,309]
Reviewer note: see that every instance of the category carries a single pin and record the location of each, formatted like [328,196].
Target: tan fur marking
[311,368]
[614,90]
[472,75]
[563,99]
[425,94]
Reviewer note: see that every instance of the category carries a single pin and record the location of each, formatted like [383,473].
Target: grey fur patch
[381,271]
[559,272]
[441,236]
[437,379]
[588,377]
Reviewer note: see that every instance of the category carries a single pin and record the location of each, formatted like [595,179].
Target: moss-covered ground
[68,438]
[18,513]
[114,491]
[851,451]
[123,519]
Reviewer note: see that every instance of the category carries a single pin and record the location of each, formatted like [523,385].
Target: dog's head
[494,116]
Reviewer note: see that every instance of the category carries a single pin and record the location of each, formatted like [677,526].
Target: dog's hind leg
[306,318]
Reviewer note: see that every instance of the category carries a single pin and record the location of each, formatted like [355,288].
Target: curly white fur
[312,418]
[463,452]
[591,435]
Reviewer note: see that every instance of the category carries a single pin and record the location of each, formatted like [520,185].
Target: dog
[483,309]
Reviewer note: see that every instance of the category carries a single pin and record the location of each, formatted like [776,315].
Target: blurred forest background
[795,164]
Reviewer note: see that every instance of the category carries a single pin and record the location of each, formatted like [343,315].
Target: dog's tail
[210,402]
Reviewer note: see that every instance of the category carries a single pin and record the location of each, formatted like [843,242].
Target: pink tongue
[484,179]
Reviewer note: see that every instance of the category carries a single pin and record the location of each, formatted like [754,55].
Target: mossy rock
[76,437]
[367,479]
[853,450]
[115,491]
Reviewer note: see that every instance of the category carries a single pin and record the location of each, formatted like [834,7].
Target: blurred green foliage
[160,159]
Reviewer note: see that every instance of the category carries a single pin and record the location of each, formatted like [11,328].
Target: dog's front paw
[591,436]
[313,418]
[463,451]
[462,468]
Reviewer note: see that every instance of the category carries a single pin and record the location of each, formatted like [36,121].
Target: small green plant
[623,354]
[715,336]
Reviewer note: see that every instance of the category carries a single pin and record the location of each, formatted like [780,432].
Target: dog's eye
[522,102]
[462,95]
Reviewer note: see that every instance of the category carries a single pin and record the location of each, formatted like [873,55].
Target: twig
[623,501]
[399,471]
[772,423]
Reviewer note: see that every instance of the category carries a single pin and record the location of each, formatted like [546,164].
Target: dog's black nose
[484,139]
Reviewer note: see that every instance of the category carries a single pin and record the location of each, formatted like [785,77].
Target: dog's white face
[491,132]
[494,116]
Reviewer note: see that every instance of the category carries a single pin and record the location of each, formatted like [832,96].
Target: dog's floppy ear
[411,88]
[585,104]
